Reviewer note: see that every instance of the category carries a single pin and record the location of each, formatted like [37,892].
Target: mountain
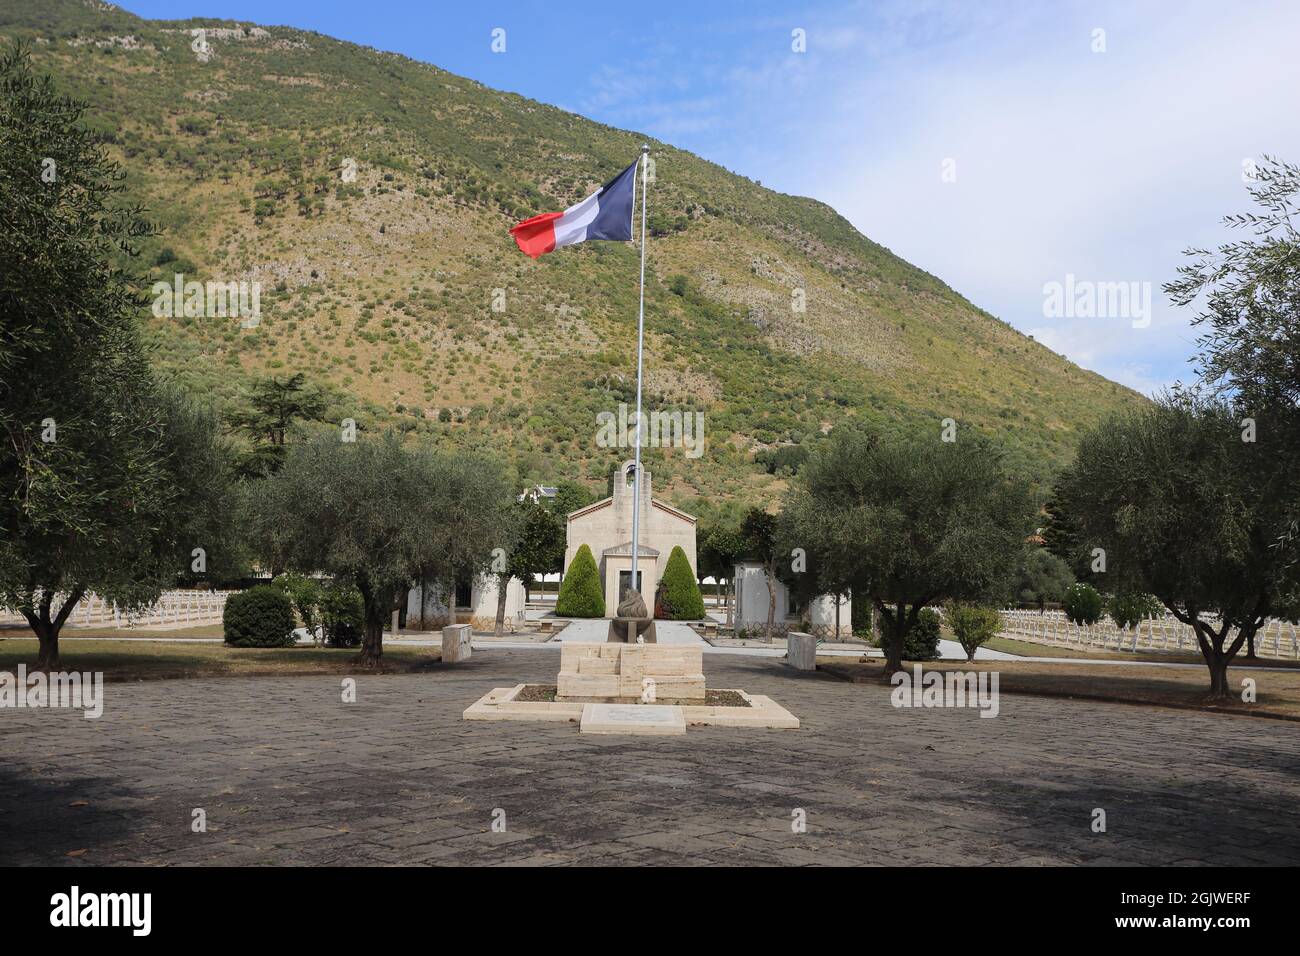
[385,288]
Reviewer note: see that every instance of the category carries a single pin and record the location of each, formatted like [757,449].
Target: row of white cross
[1276,639]
[187,608]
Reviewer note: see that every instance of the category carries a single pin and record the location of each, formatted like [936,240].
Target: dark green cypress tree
[680,589]
[580,592]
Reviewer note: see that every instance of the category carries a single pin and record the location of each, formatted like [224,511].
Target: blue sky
[1068,152]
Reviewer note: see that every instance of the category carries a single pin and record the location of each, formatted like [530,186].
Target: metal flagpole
[640,336]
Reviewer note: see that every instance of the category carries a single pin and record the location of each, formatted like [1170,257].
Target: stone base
[500,704]
[631,673]
[762,712]
[640,719]
[632,630]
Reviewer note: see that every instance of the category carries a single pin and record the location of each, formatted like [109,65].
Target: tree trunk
[1218,665]
[46,627]
[47,656]
[771,604]
[727,601]
[372,640]
[1250,646]
[892,628]
[894,646]
[1217,659]
[503,583]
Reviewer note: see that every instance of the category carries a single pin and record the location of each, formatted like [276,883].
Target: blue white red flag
[605,214]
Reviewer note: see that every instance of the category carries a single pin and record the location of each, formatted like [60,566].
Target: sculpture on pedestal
[633,625]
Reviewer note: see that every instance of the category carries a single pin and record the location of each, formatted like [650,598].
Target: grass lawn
[156,660]
[1277,690]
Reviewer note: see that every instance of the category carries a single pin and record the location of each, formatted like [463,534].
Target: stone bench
[456,643]
[624,673]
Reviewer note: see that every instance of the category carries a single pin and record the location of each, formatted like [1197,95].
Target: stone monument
[633,625]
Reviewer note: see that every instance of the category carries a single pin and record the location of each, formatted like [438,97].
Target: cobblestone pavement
[288,774]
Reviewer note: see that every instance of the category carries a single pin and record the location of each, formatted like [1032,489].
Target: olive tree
[1188,511]
[910,521]
[1246,294]
[538,549]
[109,483]
[381,515]
[758,542]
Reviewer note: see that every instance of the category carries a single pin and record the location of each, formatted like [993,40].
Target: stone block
[609,673]
[456,643]
[801,651]
[639,719]
[575,686]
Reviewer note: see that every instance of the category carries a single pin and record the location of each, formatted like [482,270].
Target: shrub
[342,615]
[972,626]
[922,641]
[681,591]
[259,617]
[1130,608]
[1041,579]
[304,594]
[1082,604]
[580,591]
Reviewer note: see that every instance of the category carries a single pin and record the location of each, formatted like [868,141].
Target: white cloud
[1104,165]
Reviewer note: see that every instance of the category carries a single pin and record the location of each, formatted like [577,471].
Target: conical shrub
[580,592]
[681,592]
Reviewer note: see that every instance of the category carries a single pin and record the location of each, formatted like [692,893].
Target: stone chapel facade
[606,528]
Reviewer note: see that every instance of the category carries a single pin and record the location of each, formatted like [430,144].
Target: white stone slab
[801,651]
[457,643]
[655,719]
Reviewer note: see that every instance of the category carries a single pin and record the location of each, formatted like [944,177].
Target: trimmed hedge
[681,591]
[259,617]
[580,592]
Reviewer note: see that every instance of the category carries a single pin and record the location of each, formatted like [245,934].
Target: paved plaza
[289,774]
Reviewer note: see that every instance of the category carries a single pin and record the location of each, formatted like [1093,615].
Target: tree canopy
[910,521]
[1187,510]
[272,407]
[108,482]
[381,515]
[1248,298]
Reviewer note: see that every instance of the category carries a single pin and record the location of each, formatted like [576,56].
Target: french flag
[606,214]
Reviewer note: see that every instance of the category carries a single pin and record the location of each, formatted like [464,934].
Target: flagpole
[640,339]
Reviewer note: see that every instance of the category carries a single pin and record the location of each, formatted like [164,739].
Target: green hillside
[382,288]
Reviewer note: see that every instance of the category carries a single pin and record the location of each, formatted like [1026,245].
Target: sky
[1015,150]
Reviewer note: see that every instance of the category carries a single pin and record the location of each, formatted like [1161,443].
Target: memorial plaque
[632,719]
